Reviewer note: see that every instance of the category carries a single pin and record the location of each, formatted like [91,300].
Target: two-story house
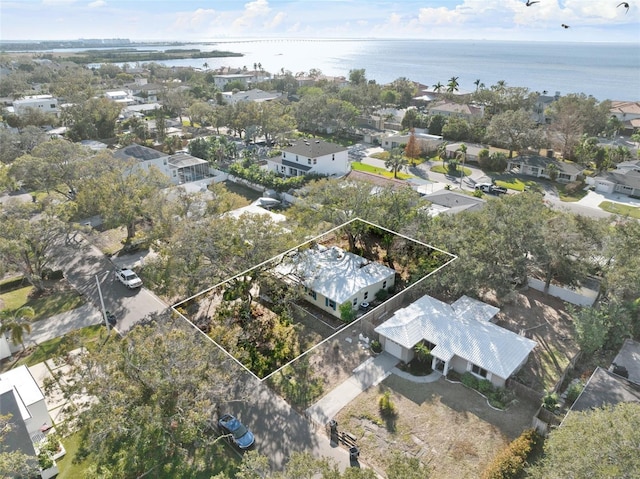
[179,168]
[307,156]
[43,103]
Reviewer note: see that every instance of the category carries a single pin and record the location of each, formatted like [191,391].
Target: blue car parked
[238,432]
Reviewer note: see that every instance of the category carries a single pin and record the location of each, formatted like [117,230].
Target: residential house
[43,103]
[29,396]
[425,141]
[628,112]
[450,202]
[605,388]
[21,397]
[254,95]
[331,277]
[543,102]
[120,96]
[307,156]
[472,154]
[538,166]
[448,108]
[179,168]
[140,111]
[460,337]
[624,179]
[245,79]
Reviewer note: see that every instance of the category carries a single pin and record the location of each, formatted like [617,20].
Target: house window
[355,301]
[366,295]
[333,157]
[312,294]
[479,371]
[284,154]
[296,157]
[174,173]
[283,169]
[329,303]
[309,161]
[384,284]
[315,161]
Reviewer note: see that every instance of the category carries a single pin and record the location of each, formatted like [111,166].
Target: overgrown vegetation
[510,463]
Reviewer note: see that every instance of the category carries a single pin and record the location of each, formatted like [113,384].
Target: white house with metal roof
[461,338]
[307,156]
[332,276]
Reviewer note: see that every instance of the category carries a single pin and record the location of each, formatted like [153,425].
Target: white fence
[579,297]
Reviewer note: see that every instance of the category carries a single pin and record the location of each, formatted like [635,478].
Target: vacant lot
[445,425]
[544,319]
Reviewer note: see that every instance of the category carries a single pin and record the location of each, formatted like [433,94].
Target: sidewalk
[63,323]
[370,373]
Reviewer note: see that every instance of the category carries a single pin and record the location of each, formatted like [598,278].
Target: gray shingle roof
[605,387]
[313,148]
[544,162]
[138,152]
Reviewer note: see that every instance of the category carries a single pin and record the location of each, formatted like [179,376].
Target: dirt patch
[544,319]
[444,425]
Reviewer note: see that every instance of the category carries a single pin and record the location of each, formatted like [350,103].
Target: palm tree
[438,87]
[17,323]
[395,162]
[442,152]
[461,154]
[500,85]
[453,84]
[477,84]
[205,65]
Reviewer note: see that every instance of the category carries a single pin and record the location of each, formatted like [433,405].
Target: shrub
[550,401]
[387,408]
[485,386]
[573,187]
[382,295]
[347,313]
[574,391]
[376,346]
[469,380]
[511,461]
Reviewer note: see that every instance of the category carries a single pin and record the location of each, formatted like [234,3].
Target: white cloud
[276,21]
[97,4]
[196,19]
[252,11]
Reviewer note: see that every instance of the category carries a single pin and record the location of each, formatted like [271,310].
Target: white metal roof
[485,344]
[472,308]
[332,272]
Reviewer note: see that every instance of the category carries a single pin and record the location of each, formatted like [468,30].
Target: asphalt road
[82,262]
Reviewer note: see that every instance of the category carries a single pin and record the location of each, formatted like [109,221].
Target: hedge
[511,461]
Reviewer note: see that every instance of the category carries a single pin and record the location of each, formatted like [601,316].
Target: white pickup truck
[128,278]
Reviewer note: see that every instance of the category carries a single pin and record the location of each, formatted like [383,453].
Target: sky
[211,20]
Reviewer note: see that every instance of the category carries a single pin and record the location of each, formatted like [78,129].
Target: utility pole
[104,311]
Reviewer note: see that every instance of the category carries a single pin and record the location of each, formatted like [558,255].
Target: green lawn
[619,209]
[357,166]
[45,305]
[553,363]
[89,337]
[516,184]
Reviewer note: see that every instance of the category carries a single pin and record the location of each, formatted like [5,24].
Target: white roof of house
[472,308]
[485,344]
[25,388]
[334,273]
[254,209]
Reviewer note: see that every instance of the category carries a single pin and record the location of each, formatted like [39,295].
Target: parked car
[128,278]
[497,190]
[484,187]
[238,432]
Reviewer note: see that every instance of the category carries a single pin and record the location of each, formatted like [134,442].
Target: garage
[393,348]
